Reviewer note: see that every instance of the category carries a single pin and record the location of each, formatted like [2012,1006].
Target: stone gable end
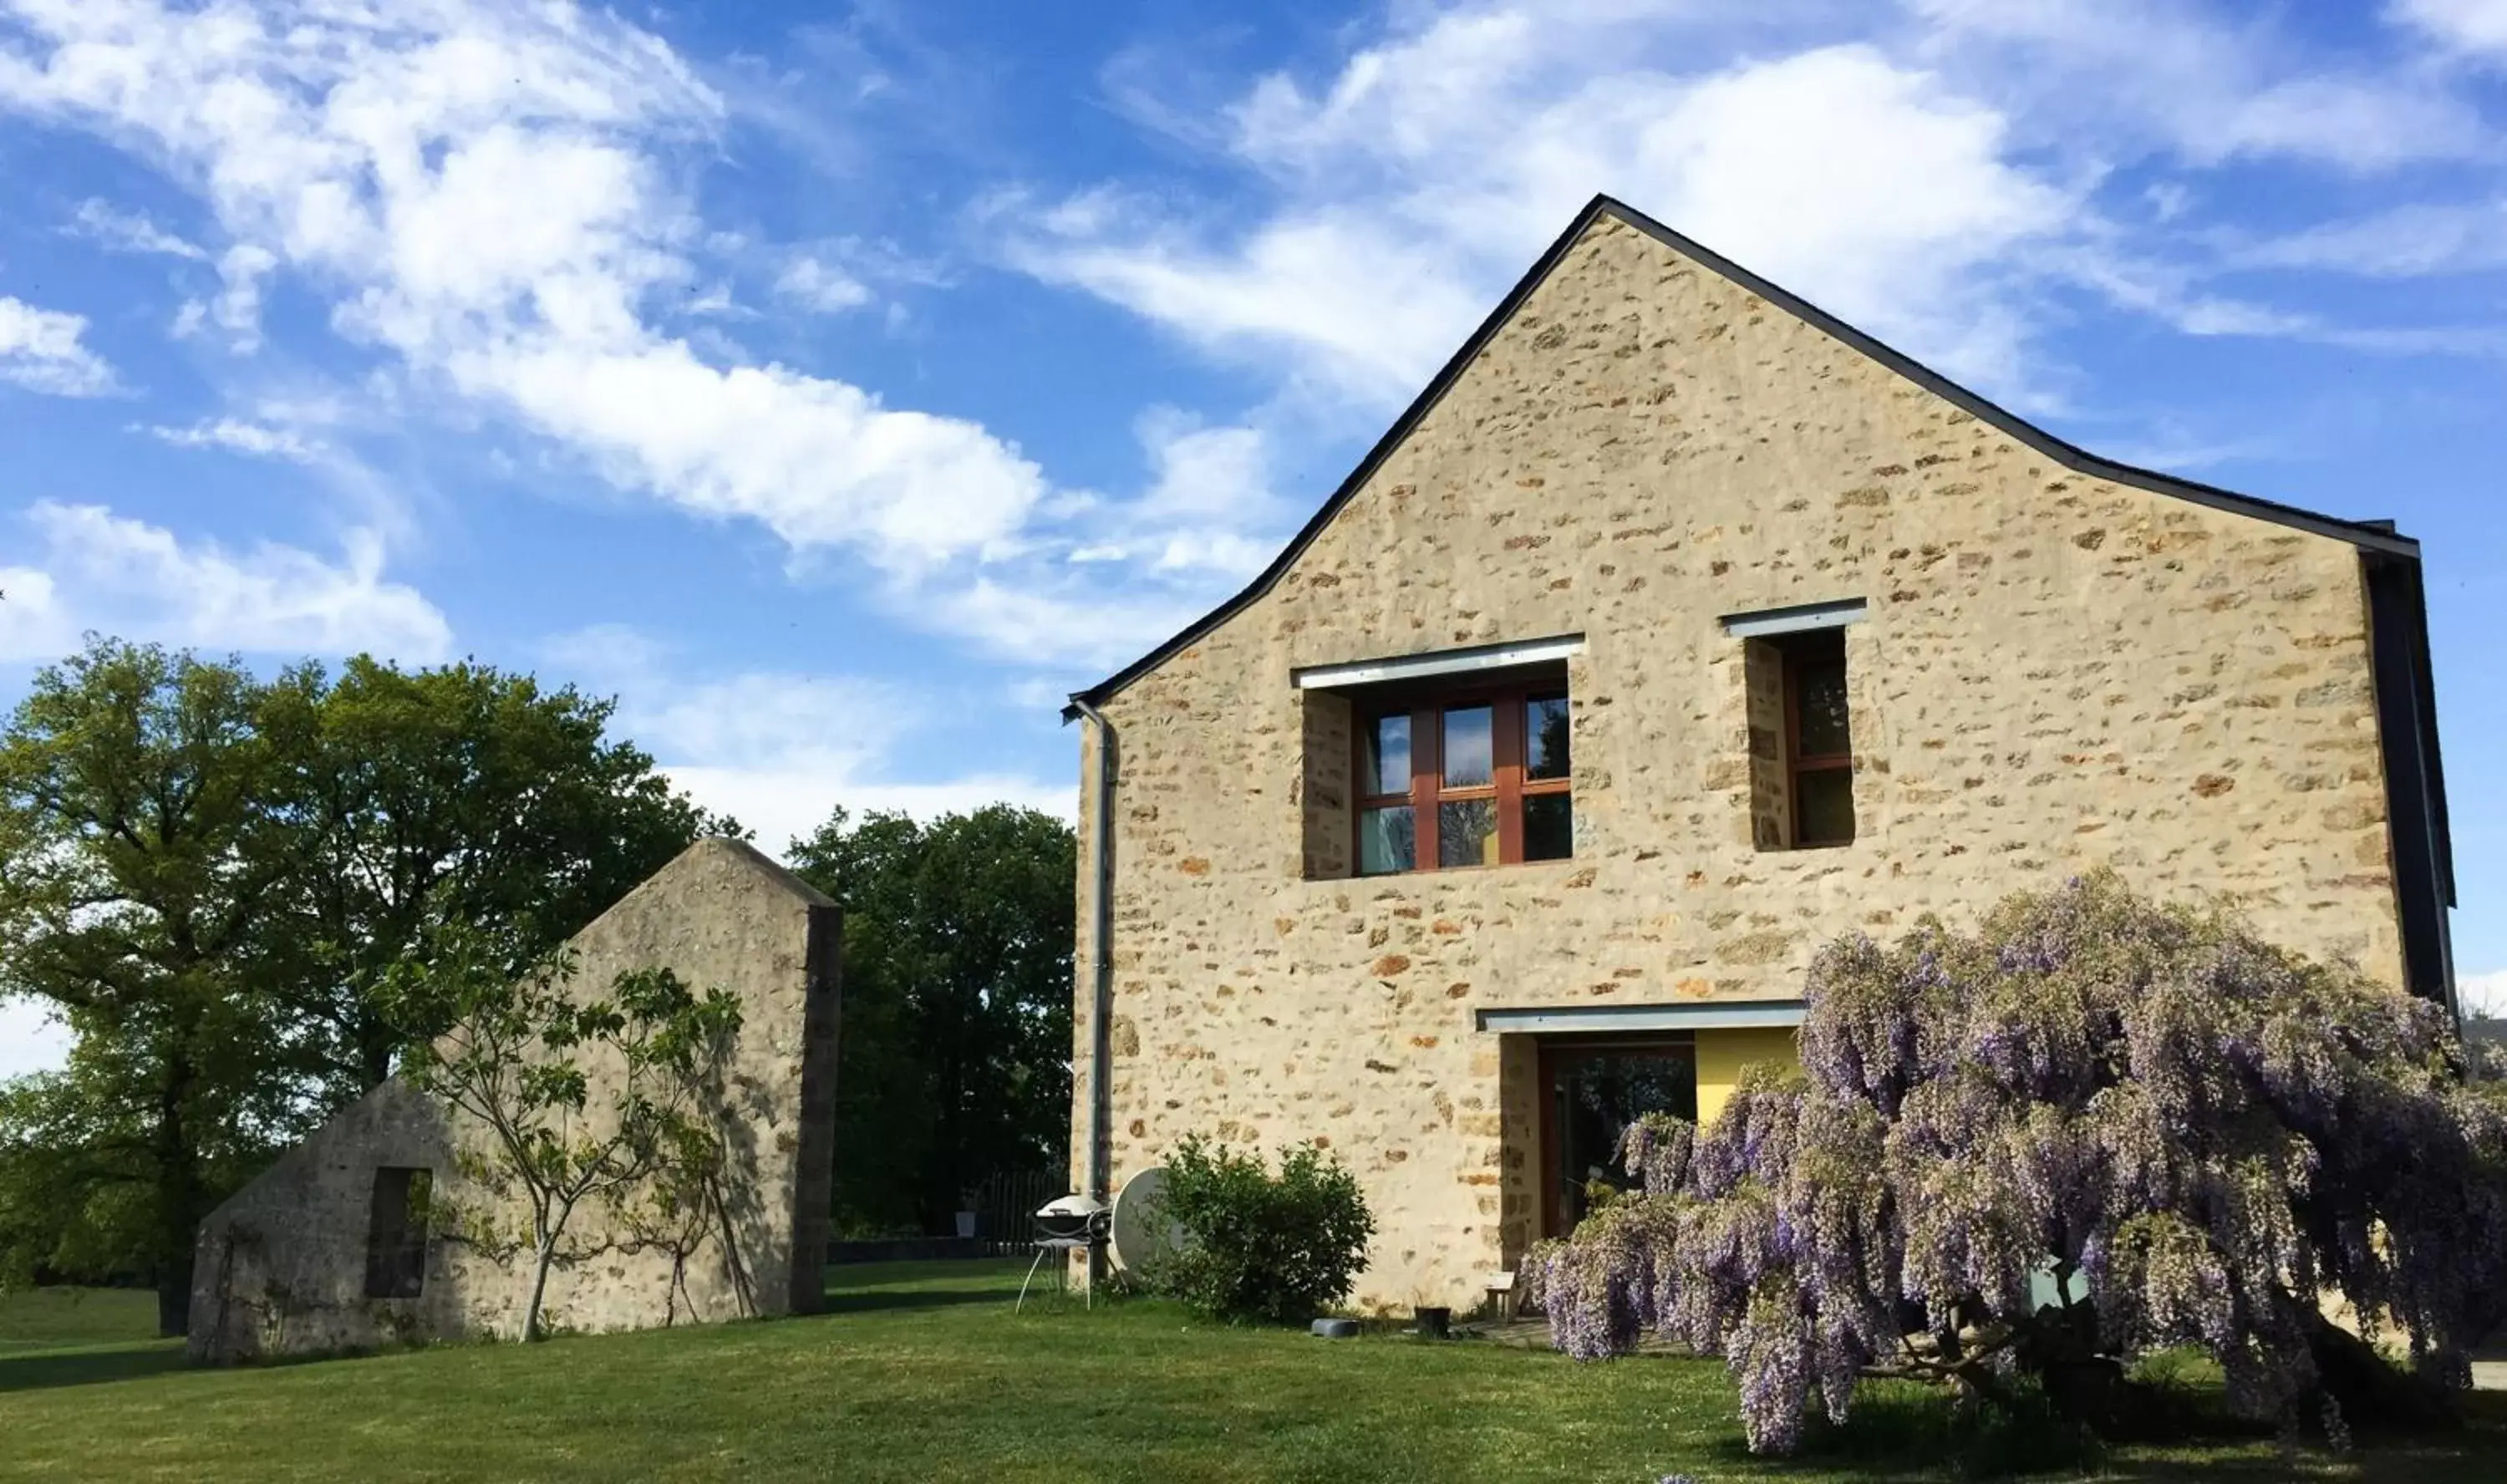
[2054,671]
[281,1267]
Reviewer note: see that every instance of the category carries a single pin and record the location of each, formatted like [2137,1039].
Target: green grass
[921,1372]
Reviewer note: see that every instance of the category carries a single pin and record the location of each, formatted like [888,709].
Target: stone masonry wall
[281,1266]
[2055,673]
[1763,681]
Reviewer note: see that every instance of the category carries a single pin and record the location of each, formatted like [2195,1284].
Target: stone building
[342,1243]
[1675,629]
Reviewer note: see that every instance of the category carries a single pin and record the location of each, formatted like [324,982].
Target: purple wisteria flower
[2094,1117]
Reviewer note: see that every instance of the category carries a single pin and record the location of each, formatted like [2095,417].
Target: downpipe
[1101,937]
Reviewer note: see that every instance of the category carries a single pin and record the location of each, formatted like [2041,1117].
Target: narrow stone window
[1799,723]
[1819,744]
[396,1232]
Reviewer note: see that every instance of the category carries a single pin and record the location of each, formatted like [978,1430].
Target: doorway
[1592,1088]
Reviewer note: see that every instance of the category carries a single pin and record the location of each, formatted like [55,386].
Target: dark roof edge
[2368,535]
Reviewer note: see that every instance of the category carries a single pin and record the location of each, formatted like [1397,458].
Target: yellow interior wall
[1721,1054]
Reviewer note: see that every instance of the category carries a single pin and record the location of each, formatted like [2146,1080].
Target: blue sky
[839,386]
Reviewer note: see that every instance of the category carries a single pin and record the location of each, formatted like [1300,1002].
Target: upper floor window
[1459,777]
[1800,723]
[1819,741]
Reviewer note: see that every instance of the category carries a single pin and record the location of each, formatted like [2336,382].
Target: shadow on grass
[873,1300]
[45,1369]
[1904,1432]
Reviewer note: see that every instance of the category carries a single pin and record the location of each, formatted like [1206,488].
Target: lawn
[921,1372]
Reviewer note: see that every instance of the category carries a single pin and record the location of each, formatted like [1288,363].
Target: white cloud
[1433,168]
[1065,621]
[2464,25]
[102,571]
[778,750]
[237,436]
[609,652]
[133,232]
[2112,76]
[31,1038]
[491,193]
[784,803]
[820,287]
[1935,172]
[2406,241]
[42,350]
[1358,304]
[32,622]
[1209,507]
[241,269]
[2482,994]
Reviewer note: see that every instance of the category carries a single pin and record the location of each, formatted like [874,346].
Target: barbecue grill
[1070,1223]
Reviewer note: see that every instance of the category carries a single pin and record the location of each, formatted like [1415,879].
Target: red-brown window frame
[1508,781]
[1796,763]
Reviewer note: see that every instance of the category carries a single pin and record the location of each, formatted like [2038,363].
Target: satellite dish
[1142,1232]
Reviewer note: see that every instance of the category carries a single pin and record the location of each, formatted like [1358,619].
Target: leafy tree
[518,1062]
[141,863]
[2182,1135]
[461,794]
[955,1053]
[1254,1246]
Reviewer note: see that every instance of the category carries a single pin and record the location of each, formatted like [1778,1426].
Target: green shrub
[1257,1245]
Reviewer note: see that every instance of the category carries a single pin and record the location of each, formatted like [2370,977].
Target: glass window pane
[1821,692]
[1469,761]
[1387,842]
[1597,1096]
[1388,755]
[1548,826]
[1467,832]
[1824,807]
[1544,738]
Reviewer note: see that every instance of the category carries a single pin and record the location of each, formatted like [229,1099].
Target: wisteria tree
[2095,1128]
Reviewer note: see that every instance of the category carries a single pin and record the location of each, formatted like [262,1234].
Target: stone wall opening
[1324,787]
[396,1227]
[1771,820]
[1802,752]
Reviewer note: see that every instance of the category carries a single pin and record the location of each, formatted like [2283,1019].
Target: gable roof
[2373,536]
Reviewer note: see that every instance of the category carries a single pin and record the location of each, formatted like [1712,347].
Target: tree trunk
[546,1252]
[178,1200]
[2375,1394]
[174,1299]
[374,1047]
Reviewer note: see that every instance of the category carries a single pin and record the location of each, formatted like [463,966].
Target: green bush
[1257,1245]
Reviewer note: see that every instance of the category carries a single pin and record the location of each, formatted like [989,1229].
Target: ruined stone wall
[2055,673]
[281,1267]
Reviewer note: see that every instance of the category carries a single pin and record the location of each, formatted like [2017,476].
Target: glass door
[1592,1091]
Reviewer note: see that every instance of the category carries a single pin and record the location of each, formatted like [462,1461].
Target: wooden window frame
[1509,781]
[1796,763]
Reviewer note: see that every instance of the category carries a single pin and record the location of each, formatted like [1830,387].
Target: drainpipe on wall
[1101,942]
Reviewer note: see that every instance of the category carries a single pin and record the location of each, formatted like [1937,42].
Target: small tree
[521,1060]
[2095,1128]
[1258,1246]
